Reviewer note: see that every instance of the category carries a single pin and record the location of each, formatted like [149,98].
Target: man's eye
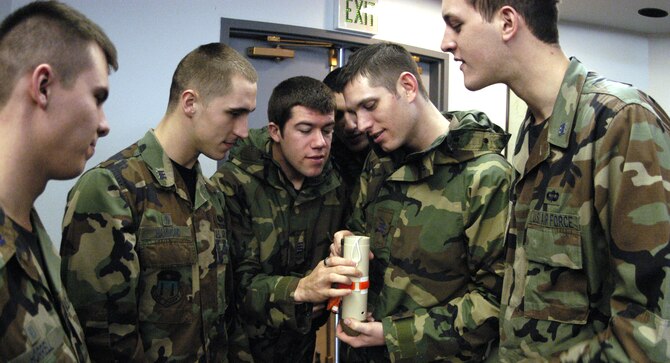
[100,97]
[370,105]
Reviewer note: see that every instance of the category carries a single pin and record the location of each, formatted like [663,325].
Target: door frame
[237,28]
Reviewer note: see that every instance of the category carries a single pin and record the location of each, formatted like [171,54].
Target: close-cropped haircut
[382,64]
[209,70]
[49,32]
[299,91]
[540,15]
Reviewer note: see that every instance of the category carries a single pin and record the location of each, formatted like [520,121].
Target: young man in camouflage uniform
[54,67]
[350,146]
[145,251]
[433,200]
[587,269]
[286,201]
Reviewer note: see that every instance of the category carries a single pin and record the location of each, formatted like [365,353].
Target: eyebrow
[312,124]
[361,103]
[241,109]
[448,18]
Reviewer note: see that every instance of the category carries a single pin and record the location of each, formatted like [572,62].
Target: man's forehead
[457,8]
[339,100]
[357,84]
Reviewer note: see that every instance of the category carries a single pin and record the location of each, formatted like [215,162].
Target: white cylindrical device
[355,305]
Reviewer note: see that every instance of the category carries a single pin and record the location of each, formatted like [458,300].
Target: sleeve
[262,298]
[467,325]
[100,266]
[632,200]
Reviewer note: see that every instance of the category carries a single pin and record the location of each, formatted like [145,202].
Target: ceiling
[618,14]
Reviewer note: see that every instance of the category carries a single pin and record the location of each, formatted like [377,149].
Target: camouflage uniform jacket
[587,271]
[37,321]
[280,234]
[146,267]
[436,221]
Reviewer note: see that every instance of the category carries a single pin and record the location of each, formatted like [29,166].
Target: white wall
[5,7]
[153,35]
[659,69]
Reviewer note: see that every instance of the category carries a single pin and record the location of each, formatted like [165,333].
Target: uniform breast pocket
[556,284]
[383,226]
[166,280]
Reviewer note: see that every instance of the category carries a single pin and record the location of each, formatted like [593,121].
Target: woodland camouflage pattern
[586,276]
[33,303]
[280,234]
[147,269]
[436,221]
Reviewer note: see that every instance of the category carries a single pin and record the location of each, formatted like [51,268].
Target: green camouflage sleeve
[632,195]
[100,267]
[356,221]
[468,322]
[263,298]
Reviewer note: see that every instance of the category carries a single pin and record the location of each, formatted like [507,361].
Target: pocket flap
[167,253]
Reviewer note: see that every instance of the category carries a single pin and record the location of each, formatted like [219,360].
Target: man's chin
[67,174]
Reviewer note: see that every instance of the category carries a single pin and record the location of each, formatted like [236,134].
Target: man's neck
[540,80]
[174,143]
[430,125]
[17,196]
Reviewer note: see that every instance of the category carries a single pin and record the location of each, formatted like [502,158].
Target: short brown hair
[299,91]
[209,70]
[53,33]
[540,15]
[382,64]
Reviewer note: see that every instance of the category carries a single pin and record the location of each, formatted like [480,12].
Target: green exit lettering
[359,17]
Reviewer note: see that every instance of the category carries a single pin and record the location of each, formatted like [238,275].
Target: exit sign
[360,16]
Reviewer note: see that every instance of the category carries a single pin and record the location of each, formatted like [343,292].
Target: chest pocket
[556,284]
[166,287]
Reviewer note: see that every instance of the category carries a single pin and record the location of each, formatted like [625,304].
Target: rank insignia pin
[561,129]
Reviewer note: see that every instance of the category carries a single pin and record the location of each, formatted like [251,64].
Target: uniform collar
[13,244]
[254,156]
[470,135]
[160,165]
[560,123]
[565,108]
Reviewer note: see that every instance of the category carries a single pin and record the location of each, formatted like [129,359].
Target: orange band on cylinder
[356,286]
[361,286]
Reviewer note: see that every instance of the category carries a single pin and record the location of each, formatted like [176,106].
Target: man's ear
[274,131]
[509,21]
[41,82]
[189,102]
[408,86]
